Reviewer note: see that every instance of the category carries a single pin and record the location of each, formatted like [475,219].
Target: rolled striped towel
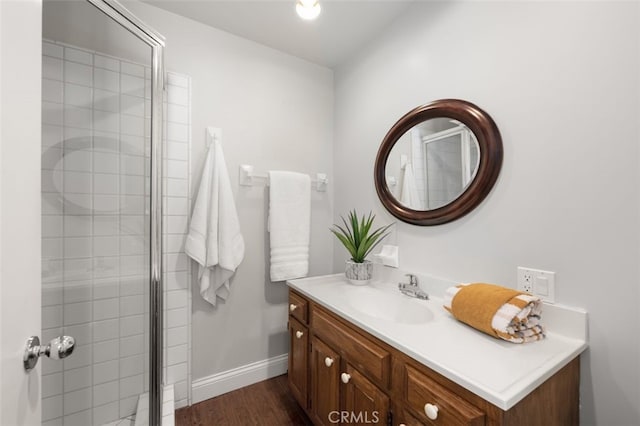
[498,311]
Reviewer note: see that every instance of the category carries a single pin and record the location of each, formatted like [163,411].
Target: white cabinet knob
[431,411]
[328,361]
[292,307]
[345,377]
[402,424]
[299,334]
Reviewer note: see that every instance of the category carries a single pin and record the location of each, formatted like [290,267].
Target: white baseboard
[218,384]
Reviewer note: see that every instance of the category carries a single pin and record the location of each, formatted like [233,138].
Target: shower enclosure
[102,164]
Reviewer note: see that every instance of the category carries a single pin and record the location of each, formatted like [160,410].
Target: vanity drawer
[298,307]
[452,410]
[405,418]
[363,353]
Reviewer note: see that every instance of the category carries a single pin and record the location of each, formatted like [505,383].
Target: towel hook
[403,161]
[213,134]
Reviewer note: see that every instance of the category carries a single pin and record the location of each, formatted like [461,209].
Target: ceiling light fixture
[308,9]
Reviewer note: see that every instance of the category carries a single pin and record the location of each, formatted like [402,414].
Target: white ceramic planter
[359,273]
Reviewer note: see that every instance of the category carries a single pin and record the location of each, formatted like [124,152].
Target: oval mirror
[438,162]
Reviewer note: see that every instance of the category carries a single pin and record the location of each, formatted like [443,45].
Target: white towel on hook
[289,224]
[214,239]
[409,195]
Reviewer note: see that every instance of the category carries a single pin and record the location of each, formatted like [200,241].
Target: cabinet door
[298,358]
[325,384]
[363,403]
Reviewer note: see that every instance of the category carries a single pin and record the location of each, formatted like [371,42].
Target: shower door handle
[58,348]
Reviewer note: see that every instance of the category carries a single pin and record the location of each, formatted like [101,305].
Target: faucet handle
[413,280]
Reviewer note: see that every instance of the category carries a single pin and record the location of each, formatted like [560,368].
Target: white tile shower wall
[177,202]
[443,183]
[417,155]
[94,214]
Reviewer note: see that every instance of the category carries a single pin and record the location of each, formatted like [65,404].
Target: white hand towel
[409,196]
[214,239]
[289,224]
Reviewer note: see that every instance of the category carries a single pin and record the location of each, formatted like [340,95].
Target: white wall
[275,112]
[561,81]
[20,101]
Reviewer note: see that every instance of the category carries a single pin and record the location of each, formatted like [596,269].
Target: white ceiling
[343,27]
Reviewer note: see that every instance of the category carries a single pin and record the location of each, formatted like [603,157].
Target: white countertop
[500,372]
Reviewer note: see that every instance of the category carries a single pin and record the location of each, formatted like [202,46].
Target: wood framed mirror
[438,162]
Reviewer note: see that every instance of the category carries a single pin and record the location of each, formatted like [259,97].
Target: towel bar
[247,177]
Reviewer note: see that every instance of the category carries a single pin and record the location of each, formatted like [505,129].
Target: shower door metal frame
[129,21]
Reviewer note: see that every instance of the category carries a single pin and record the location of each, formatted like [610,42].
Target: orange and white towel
[501,312]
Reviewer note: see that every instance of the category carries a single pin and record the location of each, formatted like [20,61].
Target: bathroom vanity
[370,355]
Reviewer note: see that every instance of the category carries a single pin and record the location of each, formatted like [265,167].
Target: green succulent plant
[357,236]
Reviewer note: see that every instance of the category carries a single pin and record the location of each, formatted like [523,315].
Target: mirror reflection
[432,164]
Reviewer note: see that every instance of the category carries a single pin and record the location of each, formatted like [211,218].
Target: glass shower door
[99,231]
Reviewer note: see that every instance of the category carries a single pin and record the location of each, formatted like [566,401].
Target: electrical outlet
[525,279]
[537,282]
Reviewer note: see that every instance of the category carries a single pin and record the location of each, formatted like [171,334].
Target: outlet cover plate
[537,282]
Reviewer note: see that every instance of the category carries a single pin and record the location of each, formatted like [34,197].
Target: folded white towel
[409,196]
[214,239]
[289,224]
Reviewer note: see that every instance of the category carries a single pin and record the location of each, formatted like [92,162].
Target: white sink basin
[396,308]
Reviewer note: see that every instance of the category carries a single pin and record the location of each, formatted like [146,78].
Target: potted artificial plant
[359,240]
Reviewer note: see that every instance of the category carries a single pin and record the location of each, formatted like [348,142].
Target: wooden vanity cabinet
[339,389]
[369,404]
[298,348]
[298,361]
[403,417]
[298,308]
[451,409]
[325,382]
[350,377]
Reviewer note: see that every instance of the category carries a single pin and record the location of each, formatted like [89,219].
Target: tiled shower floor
[142,412]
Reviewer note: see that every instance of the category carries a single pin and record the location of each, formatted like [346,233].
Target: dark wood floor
[267,403]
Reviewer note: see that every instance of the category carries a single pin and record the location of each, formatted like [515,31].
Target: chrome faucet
[411,289]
